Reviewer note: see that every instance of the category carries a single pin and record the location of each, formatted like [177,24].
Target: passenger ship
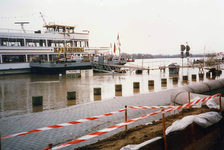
[20,49]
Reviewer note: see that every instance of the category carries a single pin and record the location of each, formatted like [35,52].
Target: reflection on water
[118,93]
[71,102]
[151,88]
[97,97]
[16,91]
[136,90]
[37,108]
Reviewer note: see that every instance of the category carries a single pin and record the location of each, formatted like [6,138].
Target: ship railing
[15,30]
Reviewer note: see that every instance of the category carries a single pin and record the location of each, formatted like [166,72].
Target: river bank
[140,133]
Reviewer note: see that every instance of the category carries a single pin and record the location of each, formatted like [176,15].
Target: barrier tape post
[164,129]
[220,102]
[50,146]
[189,97]
[126,117]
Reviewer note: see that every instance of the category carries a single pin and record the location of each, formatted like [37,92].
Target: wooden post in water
[164,129]
[126,117]
[220,102]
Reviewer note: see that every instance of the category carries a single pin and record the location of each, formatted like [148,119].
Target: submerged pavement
[40,140]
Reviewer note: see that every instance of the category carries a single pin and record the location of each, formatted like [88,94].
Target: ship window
[87,44]
[35,43]
[49,42]
[11,42]
[4,42]
[75,43]
[13,58]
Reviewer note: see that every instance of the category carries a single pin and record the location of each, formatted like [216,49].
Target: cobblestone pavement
[40,140]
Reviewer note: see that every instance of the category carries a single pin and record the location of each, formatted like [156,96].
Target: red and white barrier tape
[150,107]
[111,128]
[63,124]
[81,120]
[187,105]
[103,131]
[111,113]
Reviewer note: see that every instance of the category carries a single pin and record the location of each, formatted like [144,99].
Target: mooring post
[126,117]
[220,102]
[164,130]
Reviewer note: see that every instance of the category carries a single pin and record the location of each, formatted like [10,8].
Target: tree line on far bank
[148,56]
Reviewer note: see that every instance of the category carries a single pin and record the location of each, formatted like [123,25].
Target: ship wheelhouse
[17,46]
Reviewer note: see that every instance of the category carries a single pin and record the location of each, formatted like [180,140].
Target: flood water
[16,91]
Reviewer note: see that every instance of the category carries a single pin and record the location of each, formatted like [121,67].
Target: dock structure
[105,67]
[117,68]
[61,67]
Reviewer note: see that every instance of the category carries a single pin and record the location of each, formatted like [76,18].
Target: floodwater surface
[16,91]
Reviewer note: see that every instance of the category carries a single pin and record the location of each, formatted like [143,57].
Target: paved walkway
[40,140]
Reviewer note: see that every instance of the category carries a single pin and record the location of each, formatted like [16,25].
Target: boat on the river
[23,50]
[115,60]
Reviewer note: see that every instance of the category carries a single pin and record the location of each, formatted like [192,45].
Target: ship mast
[22,25]
[45,23]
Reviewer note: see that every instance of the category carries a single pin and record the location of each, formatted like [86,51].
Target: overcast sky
[145,26]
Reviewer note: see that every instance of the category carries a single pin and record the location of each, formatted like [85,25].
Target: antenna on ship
[22,23]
